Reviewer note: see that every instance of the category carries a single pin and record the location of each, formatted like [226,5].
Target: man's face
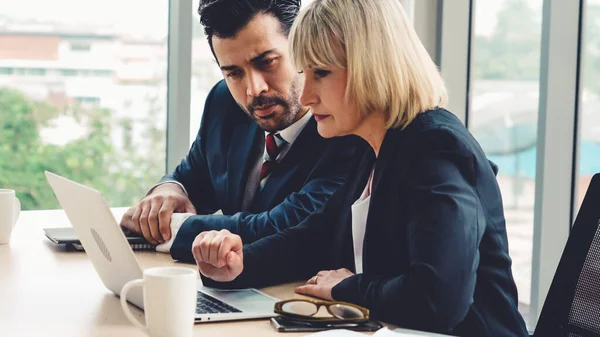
[257,68]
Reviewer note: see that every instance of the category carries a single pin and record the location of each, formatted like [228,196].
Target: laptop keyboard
[207,304]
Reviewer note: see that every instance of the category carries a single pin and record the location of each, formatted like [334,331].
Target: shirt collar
[292,132]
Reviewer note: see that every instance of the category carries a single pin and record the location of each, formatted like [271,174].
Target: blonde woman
[417,233]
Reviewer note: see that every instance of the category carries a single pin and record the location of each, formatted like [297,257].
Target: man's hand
[219,255]
[152,216]
[321,284]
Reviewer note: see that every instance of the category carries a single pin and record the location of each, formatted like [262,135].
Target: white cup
[10,208]
[169,301]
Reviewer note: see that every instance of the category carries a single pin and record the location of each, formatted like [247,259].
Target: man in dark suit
[258,156]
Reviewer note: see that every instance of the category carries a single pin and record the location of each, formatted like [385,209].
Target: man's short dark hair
[225,18]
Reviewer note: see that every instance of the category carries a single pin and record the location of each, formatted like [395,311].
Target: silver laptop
[115,263]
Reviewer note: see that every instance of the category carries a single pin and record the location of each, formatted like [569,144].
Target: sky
[146,17]
[150,17]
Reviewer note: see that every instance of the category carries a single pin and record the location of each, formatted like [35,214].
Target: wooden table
[48,291]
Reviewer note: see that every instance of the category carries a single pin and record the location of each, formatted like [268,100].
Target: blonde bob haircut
[388,68]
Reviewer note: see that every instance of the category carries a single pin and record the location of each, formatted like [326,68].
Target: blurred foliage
[512,50]
[591,48]
[123,175]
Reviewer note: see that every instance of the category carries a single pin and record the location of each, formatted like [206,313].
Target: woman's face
[324,90]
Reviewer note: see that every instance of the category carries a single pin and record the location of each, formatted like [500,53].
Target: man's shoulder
[220,103]
[346,141]
[310,137]
[341,147]
[221,92]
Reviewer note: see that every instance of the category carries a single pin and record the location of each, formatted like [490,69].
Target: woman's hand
[219,255]
[321,284]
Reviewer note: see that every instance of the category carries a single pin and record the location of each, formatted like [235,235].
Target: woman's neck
[373,130]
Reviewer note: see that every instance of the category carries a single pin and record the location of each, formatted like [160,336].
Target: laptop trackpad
[246,300]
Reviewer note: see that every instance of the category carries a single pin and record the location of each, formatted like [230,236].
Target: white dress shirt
[289,135]
[360,212]
[177,219]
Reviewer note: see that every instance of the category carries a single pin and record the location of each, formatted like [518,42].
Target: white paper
[337,333]
[385,332]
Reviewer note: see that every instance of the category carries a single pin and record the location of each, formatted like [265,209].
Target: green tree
[143,169]
[91,160]
[512,51]
[591,48]
[20,148]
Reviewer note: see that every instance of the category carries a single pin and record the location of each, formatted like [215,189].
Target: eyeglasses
[306,309]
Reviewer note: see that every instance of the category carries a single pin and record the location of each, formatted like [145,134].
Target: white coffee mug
[169,301]
[10,208]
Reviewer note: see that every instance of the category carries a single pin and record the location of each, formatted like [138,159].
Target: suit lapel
[390,151]
[247,145]
[306,143]
[394,155]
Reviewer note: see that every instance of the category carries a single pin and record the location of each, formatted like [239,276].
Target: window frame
[179,77]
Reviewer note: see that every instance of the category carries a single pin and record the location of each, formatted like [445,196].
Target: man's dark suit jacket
[435,253]
[217,166]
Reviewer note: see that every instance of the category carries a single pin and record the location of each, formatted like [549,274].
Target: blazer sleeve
[327,176]
[193,173]
[443,234]
[291,255]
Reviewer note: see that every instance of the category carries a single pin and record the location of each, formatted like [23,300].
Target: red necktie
[271,157]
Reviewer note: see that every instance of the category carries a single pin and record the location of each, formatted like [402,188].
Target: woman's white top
[360,211]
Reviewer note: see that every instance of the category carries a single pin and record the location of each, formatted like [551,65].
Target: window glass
[504,115]
[82,94]
[589,117]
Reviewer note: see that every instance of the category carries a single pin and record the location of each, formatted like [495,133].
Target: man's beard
[278,121]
